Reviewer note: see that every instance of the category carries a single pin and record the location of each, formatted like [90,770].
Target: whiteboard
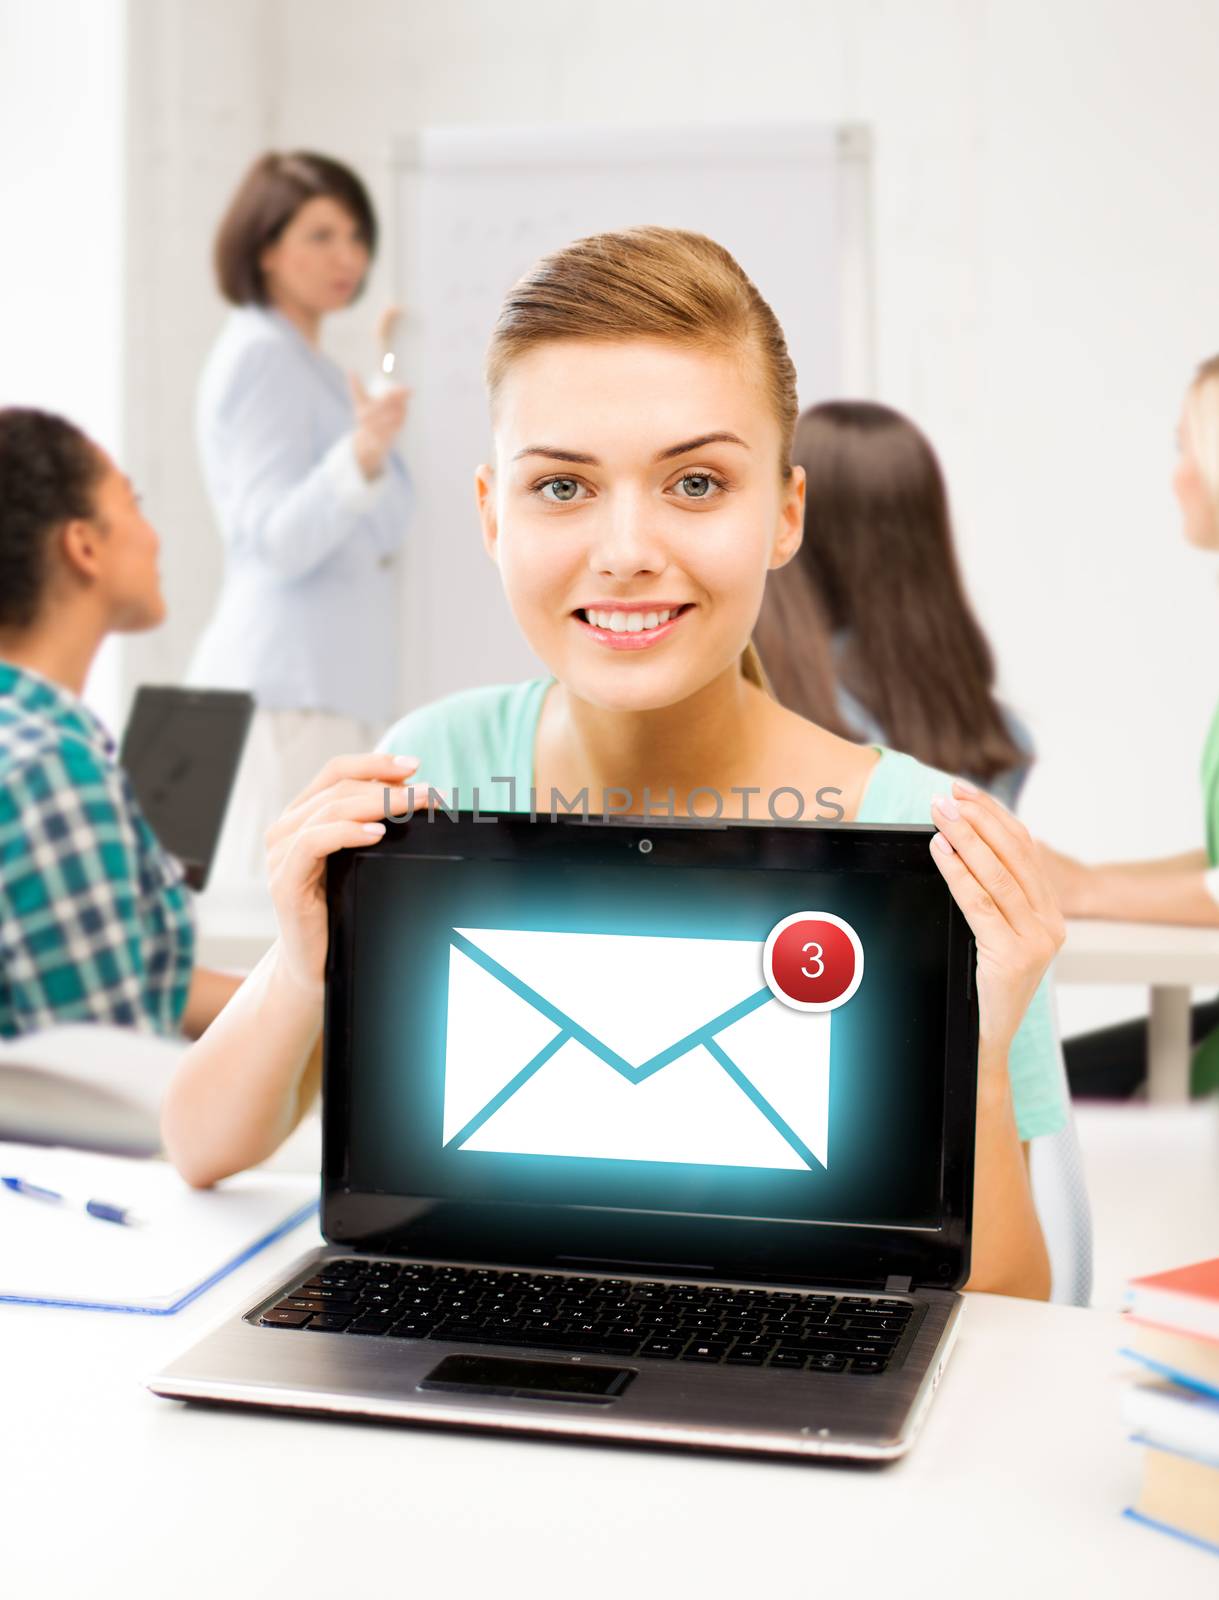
[476,206]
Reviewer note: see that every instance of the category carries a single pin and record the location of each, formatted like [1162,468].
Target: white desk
[1014,1487]
[235,932]
[1171,961]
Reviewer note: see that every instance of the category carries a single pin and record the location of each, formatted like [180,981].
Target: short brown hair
[647,283]
[268,197]
[650,283]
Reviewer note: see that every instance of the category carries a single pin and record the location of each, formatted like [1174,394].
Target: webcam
[645,847]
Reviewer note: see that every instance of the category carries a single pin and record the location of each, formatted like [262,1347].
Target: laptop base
[768,1411]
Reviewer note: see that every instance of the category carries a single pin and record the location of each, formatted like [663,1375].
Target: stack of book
[1172,1332]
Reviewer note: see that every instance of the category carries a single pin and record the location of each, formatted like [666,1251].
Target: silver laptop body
[796,1334]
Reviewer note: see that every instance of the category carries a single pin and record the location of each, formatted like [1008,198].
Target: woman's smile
[630,625]
[663,503]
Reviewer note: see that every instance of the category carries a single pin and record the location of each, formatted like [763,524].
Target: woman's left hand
[1069,880]
[991,865]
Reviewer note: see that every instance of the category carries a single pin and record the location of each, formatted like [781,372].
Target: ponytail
[752,669]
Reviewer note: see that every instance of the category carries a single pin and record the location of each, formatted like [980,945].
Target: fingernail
[375,828]
[406,761]
[962,787]
[946,805]
[942,845]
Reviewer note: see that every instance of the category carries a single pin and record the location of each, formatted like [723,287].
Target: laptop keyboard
[597,1316]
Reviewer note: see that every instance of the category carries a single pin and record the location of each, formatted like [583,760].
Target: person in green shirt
[643,402]
[1111,1062]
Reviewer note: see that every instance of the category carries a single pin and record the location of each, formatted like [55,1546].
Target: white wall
[1047,243]
[61,176]
[62,183]
[1100,258]
[201,104]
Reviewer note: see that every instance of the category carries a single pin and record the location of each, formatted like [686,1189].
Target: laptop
[632,1131]
[181,749]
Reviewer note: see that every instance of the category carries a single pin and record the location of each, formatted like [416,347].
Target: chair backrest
[1060,1193]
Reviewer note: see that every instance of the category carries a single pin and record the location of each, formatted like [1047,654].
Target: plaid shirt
[96,922]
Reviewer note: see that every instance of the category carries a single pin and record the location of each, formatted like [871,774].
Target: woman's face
[122,555]
[635,507]
[1198,518]
[318,262]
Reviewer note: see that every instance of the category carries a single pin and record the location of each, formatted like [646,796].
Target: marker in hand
[387,324]
[379,420]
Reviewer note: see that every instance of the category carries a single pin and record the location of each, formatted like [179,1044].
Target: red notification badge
[813,961]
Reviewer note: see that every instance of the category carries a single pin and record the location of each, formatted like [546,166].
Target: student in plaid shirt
[95,918]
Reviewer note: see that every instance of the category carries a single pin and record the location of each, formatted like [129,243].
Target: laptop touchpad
[528,1380]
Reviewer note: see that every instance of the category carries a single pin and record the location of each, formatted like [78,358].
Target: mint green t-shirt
[1210,788]
[1204,1077]
[477,747]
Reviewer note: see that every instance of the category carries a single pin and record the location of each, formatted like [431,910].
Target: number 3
[817,959]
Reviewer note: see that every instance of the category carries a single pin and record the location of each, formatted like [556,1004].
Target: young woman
[868,630]
[1113,1061]
[642,401]
[95,918]
[310,496]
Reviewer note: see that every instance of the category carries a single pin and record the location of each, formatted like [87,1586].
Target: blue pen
[101,1209]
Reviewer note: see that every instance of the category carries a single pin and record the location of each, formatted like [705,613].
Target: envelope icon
[630,1048]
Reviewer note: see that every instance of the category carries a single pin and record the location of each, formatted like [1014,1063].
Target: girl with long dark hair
[868,630]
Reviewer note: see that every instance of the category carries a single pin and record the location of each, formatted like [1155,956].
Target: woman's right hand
[340,810]
[379,420]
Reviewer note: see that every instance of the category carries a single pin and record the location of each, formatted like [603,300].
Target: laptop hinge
[895,1284]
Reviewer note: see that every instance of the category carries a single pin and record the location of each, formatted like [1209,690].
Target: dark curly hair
[49,472]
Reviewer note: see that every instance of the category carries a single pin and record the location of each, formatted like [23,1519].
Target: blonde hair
[650,283]
[1202,427]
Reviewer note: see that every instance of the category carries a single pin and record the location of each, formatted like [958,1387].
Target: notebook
[89,1085]
[1173,1322]
[1186,1299]
[186,1241]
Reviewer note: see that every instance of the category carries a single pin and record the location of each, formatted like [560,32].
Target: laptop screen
[181,750]
[682,1032]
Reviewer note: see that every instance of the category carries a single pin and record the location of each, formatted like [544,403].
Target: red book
[1185,1300]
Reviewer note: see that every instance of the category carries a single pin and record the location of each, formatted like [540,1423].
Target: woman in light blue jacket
[310,495]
